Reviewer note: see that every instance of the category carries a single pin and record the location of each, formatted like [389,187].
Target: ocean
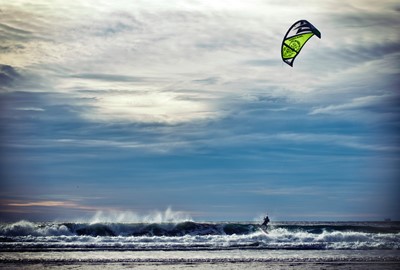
[27,242]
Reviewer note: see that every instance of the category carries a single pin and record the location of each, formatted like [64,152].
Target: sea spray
[114,216]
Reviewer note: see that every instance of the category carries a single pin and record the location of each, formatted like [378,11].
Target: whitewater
[190,235]
[160,243]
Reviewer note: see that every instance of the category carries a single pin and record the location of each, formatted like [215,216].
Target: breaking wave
[189,235]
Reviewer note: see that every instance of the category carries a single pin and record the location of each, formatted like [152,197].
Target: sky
[124,109]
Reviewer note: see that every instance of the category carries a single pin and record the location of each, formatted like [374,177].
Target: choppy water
[184,236]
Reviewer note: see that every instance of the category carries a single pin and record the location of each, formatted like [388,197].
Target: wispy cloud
[108,77]
[142,54]
[44,203]
[290,191]
[62,204]
[367,102]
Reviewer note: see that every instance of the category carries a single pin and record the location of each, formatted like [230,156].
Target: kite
[297,35]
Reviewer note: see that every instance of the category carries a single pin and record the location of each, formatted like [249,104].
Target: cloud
[151,107]
[159,49]
[108,77]
[43,203]
[14,33]
[8,75]
[354,142]
[32,109]
[63,204]
[361,103]
[162,146]
[290,191]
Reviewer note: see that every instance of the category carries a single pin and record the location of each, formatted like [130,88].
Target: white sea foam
[23,227]
[26,235]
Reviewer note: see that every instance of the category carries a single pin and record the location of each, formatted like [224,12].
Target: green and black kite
[297,35]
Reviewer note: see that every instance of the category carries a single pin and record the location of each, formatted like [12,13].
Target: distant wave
[187,235]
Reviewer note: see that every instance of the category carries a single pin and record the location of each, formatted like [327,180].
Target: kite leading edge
[297,35]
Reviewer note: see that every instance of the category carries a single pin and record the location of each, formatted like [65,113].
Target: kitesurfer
[266,221]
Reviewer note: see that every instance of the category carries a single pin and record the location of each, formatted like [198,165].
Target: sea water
[199,242]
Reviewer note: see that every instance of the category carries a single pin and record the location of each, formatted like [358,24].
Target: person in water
[266,221]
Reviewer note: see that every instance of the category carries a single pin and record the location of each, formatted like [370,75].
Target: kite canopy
[297,35]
